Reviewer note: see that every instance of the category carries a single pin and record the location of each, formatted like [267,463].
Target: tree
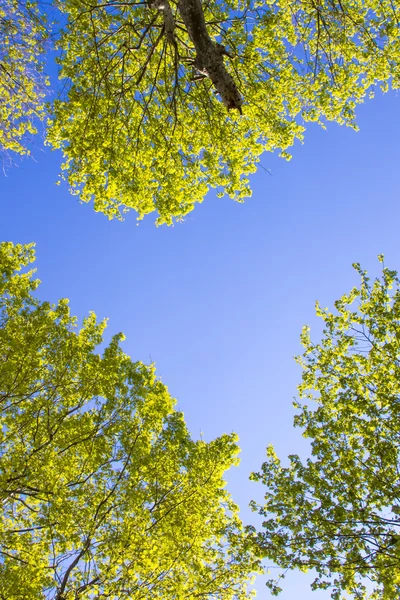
[23,33]
[166,99]
[338,511]
[103,492]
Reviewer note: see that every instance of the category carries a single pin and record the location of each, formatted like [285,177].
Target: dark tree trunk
[209,61]
[209,55]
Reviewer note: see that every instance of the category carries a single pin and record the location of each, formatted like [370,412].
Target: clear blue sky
[218,301]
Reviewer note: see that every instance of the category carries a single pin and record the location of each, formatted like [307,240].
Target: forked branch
[209,60]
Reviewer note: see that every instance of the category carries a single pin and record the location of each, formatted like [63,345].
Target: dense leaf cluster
[140,115]
[23,33]
[103,492]
[140,131]
[338,511]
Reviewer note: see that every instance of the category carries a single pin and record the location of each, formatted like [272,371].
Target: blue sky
[218,301]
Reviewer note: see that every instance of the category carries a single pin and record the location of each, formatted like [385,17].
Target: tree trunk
[209,60]
[209,55]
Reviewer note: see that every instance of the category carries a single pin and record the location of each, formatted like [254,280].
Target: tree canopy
[168,99]
[162,100]
[23,33]
[104,494]
[338,511]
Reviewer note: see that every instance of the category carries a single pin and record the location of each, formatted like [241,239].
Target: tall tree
[23,33]
[168,98]
[338,511]
[103,492]
[163,100]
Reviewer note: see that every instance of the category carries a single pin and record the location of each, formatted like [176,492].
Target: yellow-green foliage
[338,512]
[103,492]
[22,33]
[138,132]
